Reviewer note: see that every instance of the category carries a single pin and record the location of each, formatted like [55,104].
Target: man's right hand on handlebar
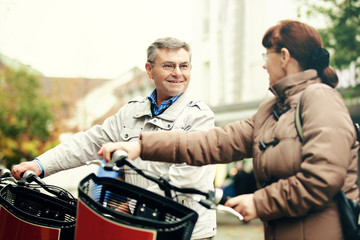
[133,149]
[17,170]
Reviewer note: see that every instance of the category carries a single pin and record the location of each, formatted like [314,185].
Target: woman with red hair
[297,179]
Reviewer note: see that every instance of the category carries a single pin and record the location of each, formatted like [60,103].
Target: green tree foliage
[25,117]
[342,35]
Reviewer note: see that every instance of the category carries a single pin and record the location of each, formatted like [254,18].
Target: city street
[230,228]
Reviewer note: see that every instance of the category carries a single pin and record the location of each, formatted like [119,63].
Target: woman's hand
[245,205]
[133,149]
[17,170]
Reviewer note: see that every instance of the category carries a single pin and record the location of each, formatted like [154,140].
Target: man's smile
[175,81]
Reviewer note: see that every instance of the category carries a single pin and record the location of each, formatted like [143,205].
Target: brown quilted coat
[297,181]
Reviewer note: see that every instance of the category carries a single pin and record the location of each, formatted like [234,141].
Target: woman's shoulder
[319,88]
[320,92]
[321,99]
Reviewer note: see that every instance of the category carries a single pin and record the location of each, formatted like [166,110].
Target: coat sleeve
[199,118]
[326,155]
[217,145]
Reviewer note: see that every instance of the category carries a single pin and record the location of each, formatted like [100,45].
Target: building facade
[227,64]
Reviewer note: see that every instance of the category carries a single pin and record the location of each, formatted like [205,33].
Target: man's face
[170,81]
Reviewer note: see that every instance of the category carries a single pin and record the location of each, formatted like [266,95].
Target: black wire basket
[133,206]
[39,209]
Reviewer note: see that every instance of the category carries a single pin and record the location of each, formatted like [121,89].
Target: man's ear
[285,57]
[148,68]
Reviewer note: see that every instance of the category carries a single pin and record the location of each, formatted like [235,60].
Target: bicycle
[109,207]
[28,213]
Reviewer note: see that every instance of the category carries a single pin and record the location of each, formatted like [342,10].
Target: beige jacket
[297,180]
[185,114]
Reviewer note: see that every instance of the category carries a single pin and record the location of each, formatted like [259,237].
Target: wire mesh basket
[129,205]
[39,209]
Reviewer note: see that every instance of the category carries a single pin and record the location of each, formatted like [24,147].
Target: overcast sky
[91,38]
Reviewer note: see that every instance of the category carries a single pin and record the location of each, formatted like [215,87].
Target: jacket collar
[171,113]
[144,109]
[294,83]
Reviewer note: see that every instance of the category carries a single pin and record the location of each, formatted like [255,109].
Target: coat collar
[171,113]
[294,83]
[176,108]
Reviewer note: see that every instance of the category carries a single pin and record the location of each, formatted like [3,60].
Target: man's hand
[133,149]
[245,205]
[17,170]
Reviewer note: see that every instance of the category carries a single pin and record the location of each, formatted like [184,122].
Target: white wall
[227,61]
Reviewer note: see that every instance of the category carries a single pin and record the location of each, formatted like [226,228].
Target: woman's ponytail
[319,60]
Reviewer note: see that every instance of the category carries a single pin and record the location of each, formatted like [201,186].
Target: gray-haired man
[170,108]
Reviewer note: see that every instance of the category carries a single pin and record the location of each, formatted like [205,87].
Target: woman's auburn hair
[301,40]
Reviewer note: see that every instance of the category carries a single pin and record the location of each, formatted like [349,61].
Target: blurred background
[67,65]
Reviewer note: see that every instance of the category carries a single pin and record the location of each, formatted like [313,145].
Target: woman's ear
[288,63]
[285,57]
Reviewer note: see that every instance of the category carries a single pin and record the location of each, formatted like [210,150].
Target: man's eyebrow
[186,62]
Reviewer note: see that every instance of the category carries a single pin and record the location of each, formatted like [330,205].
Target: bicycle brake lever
[96,162]
[106,167]
[230,210]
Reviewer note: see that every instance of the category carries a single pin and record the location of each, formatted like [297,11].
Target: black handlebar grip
[116,160]
[220,197]
[5,173]
[118,154]
[30,176]
[223,199]
[27,174]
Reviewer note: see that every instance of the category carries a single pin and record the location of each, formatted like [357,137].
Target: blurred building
[227,61]
[106,100]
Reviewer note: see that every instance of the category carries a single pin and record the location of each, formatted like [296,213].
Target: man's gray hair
[168,43]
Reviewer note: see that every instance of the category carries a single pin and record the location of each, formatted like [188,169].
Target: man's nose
[176,71]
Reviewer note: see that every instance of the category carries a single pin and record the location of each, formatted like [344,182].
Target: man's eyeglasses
[170,67]
[265,55]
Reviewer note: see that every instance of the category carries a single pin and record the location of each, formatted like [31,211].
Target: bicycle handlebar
[6,177]
[4,173]
[28,177]
[213,199]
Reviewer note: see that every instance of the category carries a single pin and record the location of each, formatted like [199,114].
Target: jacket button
[126,135]
[169,125]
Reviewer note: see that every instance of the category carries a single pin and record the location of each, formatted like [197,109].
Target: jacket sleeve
[326,154]
[217,145]
[81,147]
[199,118]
